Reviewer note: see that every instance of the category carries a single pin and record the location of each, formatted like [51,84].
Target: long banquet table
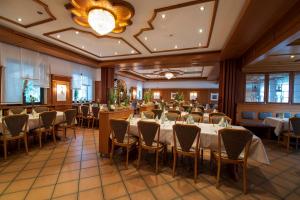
[33,121]
[208,138]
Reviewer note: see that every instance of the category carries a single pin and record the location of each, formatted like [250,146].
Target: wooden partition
[274,108]
[203,95]
[104,124]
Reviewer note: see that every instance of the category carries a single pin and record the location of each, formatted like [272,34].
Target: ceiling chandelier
[104,16]
[169,75]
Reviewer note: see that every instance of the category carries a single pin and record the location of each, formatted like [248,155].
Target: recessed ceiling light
[82,47]
[163,16]
[132,51]
[100,54]
[116,53]
[200,30]
[145,38]
[154,49]
[292,56]
[58,36]
[119,41]
[200,44]
[19,19]
[202,8]
[176,47]
[77,32]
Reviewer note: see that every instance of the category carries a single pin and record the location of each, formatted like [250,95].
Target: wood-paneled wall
[107,82]
[98,91]
[203,95]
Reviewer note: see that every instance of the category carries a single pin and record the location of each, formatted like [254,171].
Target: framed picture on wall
[173,95]
[214,96]
[61,92]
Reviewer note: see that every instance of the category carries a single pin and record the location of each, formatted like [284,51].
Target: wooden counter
[104,130]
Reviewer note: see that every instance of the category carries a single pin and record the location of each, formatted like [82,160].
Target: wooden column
[107,81]
[98,93]
[231,87]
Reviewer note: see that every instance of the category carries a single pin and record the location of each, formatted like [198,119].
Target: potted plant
[111,99]
[147,96]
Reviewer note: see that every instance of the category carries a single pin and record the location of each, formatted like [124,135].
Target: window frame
[245,88]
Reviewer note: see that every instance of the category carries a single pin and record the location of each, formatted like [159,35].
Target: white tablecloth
[208,138]
[280,124]
[33,121]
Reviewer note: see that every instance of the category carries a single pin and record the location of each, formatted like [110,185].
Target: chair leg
[195,168]
[88,121]
[74,131]
[156,160]
[127,156]
[245,178]
[93,123]
[19,144]
[5,149]
[40,139]
[278,139]
[218,173]
[25,143]
[81,122]
[139,157]
[296,143]
[65,132]
[54,138]
[111,153]
[174,161]
[288,144]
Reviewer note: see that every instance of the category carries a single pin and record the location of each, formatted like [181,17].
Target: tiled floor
[74,170]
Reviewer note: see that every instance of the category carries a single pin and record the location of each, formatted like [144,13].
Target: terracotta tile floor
[74,170]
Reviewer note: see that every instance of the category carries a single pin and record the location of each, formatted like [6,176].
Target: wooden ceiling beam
[19,39]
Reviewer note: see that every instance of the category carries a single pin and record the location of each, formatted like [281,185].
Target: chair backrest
[217,119]
[235,141]
[186,135]
[295,123]
[174,111]
[285,114]
[16,111]
[148,114]
[264,115]
[172,116]
[148,131]
[216,114]
[197,113]
[96,111]
[119,128]
[76,107]
[70,116]
[47,119]
[41,109]
[157,113]
[15,124]
[248,115]
[85,110]
[197,118]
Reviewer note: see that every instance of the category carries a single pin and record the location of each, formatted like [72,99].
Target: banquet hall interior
[142,100]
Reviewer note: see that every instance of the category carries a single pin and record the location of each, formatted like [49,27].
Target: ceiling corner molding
[46,8]
[49,35]
[173,7]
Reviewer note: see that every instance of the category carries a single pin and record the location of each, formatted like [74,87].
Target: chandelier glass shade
[169,75]
[102,21]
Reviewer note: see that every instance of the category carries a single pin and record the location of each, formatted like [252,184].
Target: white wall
[182,84]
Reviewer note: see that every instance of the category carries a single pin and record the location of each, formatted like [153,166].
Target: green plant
[179,97]
[147,96]
[112,96]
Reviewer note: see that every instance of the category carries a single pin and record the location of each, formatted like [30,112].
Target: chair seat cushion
[42,129]
[132,139]
[9,136]
[225,156]
[154,144]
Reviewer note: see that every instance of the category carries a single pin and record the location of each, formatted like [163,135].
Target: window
[156,95]
[297,88]
[193,95]
[255,88]
[33,93]
[82,88]
[279,88]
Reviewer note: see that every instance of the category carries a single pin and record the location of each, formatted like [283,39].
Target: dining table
[280,124]
[208,137]
[33,120]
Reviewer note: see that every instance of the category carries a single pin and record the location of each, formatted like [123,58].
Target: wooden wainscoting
[274,108]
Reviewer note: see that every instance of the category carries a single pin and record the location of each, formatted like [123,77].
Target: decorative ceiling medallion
[104,16]
[168,73]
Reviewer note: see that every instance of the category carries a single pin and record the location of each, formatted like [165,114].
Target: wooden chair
[235,142]
[95,116]
[293,132]
[217,119]
[172,116]
[157,113]
[218,114]
[14,128]
[197,118]
[41,109]
[69,122]
[46,125]
[185,136]
[17,110]
[148,132]
[120,137]
[85,115]
[149,114]
[175,111]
